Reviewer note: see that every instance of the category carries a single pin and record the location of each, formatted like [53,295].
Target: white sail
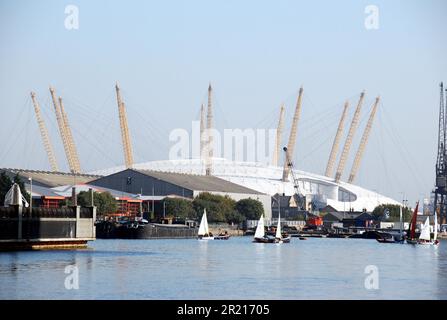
[203,229]
[435,235]
[9,197]
[400,220]
[207,229]
[260,232]
[425,231]
[278,228]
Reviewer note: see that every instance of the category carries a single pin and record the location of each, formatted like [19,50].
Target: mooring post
[90,190]
[74,200]
[93,208]
[17,203]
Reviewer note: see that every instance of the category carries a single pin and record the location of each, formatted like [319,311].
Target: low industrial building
[348,219]
[156,184]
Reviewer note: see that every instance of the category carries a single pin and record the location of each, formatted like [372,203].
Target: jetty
[27,228]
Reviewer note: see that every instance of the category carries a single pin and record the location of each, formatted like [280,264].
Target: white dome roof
[267,179]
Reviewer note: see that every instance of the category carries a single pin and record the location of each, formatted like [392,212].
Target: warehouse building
[155,184]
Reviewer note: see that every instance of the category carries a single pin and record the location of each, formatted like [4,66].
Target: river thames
[235,269]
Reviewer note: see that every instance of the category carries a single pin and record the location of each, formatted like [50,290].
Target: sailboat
[412,239]
[204,233]
[260,235]
[278,236]
[425,235]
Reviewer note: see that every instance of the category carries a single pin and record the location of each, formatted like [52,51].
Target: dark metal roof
[50,178]
[41,191]
[198,182]
[340,216]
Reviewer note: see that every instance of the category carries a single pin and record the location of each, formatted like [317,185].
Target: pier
[26,228]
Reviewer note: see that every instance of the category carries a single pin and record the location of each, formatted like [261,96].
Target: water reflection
[260,257]
[234,269]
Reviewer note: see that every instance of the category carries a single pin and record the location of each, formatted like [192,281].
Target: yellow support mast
[348,142]
[71,144]
[44,133]
[210,139]
[363,142]
[292,137]
[62,132]
[279,129]
[202,131]
[336,144]
[125,135]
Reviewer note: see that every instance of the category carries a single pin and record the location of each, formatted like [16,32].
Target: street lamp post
[31,196]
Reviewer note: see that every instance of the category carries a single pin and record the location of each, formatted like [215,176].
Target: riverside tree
[224,209]
[218,208]
[180,209]
[104,201]
[391,213]
[250,209]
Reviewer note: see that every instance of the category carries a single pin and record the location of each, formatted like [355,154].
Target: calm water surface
[233,269]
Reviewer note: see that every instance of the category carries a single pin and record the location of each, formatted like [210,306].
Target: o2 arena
[276,178]
[270,179]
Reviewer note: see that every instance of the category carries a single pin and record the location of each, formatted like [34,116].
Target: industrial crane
[440,192]
[299,196]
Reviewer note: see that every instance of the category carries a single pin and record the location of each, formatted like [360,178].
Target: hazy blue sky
[255,53]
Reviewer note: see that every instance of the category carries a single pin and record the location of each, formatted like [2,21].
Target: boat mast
[401,221]
[413,221]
